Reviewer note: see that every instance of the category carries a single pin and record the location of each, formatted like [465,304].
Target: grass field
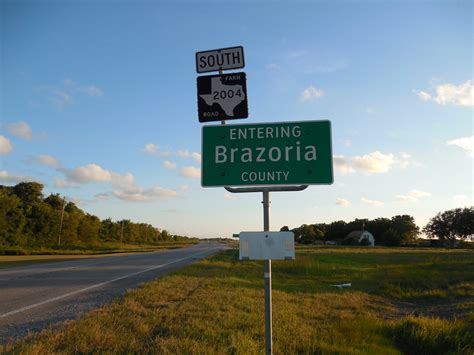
[412,301]
[31,256]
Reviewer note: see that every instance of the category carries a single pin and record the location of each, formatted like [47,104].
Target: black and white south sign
[220,59]
[222,97]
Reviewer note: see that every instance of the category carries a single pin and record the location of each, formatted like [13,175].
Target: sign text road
[220,59]
[222,97]
[285,153]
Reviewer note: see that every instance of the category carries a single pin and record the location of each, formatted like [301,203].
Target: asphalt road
[34,297]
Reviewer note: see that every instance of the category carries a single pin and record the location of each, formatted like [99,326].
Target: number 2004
[226,94]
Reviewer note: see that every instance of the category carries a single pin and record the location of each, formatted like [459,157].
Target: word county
[266,147]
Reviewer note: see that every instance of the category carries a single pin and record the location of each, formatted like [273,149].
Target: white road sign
[266,246]
[220,59]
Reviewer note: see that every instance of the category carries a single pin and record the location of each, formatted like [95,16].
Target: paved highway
[34,297]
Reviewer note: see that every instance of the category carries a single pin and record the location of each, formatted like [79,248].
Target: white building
[361,235]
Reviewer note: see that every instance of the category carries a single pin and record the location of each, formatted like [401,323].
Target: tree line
[448,226]
[28,219]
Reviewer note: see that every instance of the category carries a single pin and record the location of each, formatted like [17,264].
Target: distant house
[360,236]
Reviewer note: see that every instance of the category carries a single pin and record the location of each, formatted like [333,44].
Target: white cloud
[150,148]
[47,160]
[5,145]
[413,196]
[122,181]
[374,163]
[458,95]
[19,129]
[190,172]
[461,95]
[169,165]
[343,202]
[5,177]
[311,93]
[466,143]
[423,95]
[88,173]
[462,200]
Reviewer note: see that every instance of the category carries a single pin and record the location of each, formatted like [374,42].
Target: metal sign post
[267,272]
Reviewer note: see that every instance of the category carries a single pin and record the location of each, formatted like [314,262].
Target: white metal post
[268,278]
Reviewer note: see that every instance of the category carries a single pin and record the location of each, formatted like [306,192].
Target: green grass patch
[21,257]
[216,306]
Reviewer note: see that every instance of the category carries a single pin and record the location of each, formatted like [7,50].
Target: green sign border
[264,124]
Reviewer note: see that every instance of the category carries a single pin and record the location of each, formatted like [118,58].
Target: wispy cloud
[190,172]
[5,177]
[19,129]
[5,145]
[413,196]
[139,194]
[372,163]
[373,203]
[465,143]
[47,160]
[444,94]
[343,202]
[230,197]
[154,150]
[64,95]
[124,185]
[311,93]
[462,200]
[169,165]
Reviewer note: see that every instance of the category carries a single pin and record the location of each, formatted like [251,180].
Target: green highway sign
[283,153]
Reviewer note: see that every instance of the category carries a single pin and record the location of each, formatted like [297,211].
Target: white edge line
[94,286]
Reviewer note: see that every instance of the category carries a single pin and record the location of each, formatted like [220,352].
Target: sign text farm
[222,97]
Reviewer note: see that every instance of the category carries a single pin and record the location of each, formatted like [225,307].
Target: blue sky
[98,102]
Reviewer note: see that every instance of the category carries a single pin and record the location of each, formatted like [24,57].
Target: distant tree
[284,229]
[452,224]
[405,227]
[308,233]
[392,238]
[336,231]
[55,201]
[29,192]
[12,219]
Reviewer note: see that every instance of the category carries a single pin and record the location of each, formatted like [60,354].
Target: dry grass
[216,306]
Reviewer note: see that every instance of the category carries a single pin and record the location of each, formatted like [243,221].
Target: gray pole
[268,278]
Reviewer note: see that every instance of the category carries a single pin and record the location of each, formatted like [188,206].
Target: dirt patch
[429,308]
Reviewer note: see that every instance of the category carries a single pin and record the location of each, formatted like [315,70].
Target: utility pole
[61,224]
